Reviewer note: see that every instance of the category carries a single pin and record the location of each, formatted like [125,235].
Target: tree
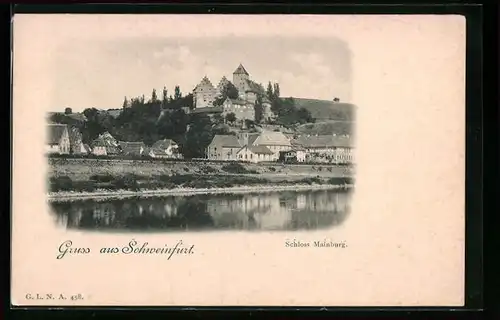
[154,97]
[177,94]
[231,117]
[304,115]
[259,109]
[276,90]
[229,91]
[198,137]
[125,103]
[164,97]
[68,111]
[269,90]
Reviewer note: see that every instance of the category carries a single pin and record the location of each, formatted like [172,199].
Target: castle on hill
[243,107]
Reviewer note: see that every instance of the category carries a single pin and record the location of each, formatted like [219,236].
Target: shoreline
[106,194]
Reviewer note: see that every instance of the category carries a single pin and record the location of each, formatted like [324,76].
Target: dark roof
[132,147]
[56,132]
[227,141]
[240,70]
[87,148]
[260,150]
[325,141]
[108,141]
[237,101]
[252,137]
[254,87]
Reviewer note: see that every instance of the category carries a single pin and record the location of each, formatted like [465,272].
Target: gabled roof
[322,141]
[163,144]
[260,150]
[240,70]
[227,141]
[87,148]
[204,81]
[271,138]
[252,137]
[132,147]
[55,133]
[254,87]
[222,83]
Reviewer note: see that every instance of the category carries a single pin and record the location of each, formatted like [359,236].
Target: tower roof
[240,70]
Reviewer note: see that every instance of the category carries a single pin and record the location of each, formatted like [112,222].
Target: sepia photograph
[238,160]
[226,136]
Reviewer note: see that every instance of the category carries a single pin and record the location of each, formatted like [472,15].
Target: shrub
[102,178]
[126,182]
[62,183]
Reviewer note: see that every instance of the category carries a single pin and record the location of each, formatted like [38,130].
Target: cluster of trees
[285,109]
[165,117]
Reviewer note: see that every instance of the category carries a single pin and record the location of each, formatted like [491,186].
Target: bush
[126,182]
[85,185]
[102,178]
[62,183]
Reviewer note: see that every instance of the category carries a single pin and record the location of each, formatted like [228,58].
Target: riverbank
[70,179]
[84,169]
[122,194]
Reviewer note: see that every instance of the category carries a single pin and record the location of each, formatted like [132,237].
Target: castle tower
[240,78]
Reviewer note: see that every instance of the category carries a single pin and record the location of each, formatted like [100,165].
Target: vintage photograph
[221,133]
[238,160]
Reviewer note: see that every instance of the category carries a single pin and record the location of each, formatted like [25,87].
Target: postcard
[238,160]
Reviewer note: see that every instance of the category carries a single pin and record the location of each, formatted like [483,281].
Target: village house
[248,146]
[327,148]
[132,148]
[75,141]
[296,154]
[58,139]
[105,145]
[255,154]
[223,147]
[166,148]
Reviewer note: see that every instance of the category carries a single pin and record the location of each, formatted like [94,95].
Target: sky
[101,72]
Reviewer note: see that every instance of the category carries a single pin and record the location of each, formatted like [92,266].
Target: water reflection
[257,211]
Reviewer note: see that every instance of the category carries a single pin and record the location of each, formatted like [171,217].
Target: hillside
[327,127]
[327,110]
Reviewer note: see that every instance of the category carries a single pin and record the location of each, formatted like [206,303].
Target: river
[283,210]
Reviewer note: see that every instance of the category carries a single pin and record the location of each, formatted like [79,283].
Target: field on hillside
[327,127]
[327,110]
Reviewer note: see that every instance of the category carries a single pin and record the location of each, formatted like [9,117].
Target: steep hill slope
[327,110]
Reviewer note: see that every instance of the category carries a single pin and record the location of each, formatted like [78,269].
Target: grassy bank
[84,169]
[91,177]
[134,182]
